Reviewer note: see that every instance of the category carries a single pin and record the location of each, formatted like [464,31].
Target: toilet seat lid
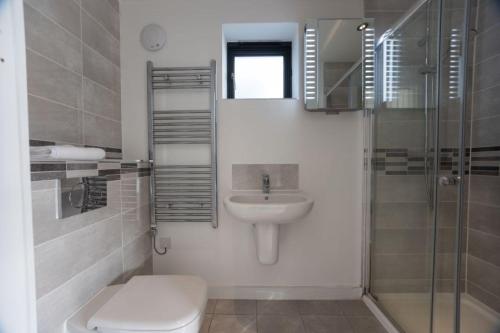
[153,303]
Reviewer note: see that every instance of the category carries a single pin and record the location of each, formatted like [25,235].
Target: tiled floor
[250,316]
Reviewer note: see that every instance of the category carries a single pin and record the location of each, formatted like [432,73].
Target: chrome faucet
[266,184]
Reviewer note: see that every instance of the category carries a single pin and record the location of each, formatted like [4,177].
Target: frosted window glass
[258,77]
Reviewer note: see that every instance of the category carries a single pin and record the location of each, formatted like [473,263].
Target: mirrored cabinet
[338,64]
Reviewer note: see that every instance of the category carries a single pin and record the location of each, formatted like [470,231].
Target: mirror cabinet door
[338,64]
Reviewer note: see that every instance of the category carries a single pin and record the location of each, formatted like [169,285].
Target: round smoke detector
[153,37]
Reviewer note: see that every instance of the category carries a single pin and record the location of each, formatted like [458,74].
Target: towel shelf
[183,193]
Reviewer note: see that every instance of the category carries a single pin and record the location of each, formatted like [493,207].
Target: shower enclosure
[420,152]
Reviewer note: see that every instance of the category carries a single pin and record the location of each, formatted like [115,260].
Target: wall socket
[165,242]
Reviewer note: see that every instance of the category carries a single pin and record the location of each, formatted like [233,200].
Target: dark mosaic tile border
[111,153]
[44,170]
[401,161]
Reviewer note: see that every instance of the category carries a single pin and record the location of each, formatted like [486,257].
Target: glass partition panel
[402,229]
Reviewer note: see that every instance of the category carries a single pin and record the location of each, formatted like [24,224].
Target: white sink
[266,212]
[272,208]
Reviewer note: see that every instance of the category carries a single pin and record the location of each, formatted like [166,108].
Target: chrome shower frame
[431,179]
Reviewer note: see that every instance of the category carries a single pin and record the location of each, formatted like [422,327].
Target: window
[259,70]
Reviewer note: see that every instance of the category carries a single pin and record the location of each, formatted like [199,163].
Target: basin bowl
[266,212]
[279,208]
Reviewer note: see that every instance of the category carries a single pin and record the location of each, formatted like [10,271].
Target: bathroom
[359,193]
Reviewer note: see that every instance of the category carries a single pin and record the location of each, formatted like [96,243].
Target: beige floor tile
[210,306]
[233,324]
[279,324]
[290,308]
[354,308]
[320,307]
[327,324]
[236,307]
[366,325]
[206,324]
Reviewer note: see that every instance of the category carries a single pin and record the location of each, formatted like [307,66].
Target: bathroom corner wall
[77,256]
[321,252]
[483,247]
[73,62]
[73,68]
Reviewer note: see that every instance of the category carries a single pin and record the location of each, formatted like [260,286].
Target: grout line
[82,79]
[73,109]
[485,233]
[123,229]
[102,25]
[486,59]
[103,86]
[101,116]
[482,203]
[98,22]
[60,237]
[53,20]
[55,62]
[484,290]
[109,62]
[102,55]
[78,73]
[78,274]
[485,262]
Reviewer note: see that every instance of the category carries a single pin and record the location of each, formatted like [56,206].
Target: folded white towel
[67,153]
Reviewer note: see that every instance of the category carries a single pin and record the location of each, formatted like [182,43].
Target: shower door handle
[451,180]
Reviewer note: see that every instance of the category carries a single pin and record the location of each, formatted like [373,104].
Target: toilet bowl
[145,304]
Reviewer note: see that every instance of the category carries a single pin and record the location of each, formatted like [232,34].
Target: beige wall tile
[49,80]
[61,259]
[46,37]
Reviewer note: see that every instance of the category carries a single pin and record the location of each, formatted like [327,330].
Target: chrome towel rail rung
[184,214]
[184,208]
[177,172]
[180,69]
[182,142]
[183,130]
[196,196]
[182,124]
[180,166]
[181,87]
[161,219]
[181,136]
[180,111]
[168,80]
[155,117]
[201,204]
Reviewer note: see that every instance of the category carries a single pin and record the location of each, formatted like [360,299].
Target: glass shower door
[403,170]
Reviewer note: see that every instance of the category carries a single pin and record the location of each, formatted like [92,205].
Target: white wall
[323,250]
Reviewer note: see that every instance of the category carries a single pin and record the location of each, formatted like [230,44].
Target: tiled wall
[483,259]
[73,60]
[77,256]
[281,176]
[482,237]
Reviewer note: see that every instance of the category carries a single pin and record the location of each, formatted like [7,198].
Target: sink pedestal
[266,212]
[266,236]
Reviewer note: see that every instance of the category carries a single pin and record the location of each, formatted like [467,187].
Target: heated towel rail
[183,193]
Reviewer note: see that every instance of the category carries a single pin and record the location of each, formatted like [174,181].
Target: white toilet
[145,304]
